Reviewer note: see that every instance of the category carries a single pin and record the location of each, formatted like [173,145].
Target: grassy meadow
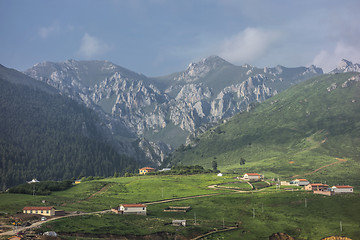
[275,210]
[258,215]
[111,192]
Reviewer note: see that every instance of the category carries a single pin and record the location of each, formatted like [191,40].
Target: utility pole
[223,223]
[195,217]
[162,192]
[305,203]
[253,212]
[262,207]
[340,226]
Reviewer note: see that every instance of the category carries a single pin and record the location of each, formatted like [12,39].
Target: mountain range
[142,118]
[158,114]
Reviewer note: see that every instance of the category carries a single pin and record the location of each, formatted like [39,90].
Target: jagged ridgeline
[311,125]
[50,137]
[163,111]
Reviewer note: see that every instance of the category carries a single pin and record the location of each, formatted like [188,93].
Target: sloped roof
[133,205]
[252,174]
[343,186]
[38,208]
[147,168]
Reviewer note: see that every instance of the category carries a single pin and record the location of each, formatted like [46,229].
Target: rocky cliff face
[346,66]
[148,112]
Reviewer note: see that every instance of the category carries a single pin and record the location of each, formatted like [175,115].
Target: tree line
[51,137]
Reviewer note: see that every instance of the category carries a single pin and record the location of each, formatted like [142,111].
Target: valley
[270,121]
[248,214]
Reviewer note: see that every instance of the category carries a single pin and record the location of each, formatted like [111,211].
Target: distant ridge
[308,126]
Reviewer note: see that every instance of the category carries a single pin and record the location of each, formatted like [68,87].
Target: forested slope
[51,137]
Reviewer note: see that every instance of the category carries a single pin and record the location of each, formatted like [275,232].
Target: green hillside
[50,137]
[306,127]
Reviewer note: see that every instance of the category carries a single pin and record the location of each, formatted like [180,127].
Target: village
[47,213]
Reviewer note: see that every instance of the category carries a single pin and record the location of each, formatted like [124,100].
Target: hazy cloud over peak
[248,45]
[329,59]
[92,47]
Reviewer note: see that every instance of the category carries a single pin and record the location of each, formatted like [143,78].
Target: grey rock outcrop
[142,113]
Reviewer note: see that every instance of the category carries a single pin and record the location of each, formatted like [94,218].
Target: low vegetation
[41,188]
[184,170]
[255,214]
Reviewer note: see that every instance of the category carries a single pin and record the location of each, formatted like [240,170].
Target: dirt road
[339,160]
[37,224]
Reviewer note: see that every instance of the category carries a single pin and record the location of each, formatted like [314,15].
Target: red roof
[133,205]
[343,186]
[147,168]
[252,174]
[38,208]
[302,180]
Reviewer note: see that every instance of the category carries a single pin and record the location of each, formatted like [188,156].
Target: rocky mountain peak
[200,69]
[169,107]
[346,66]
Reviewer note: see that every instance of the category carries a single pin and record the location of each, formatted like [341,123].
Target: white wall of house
[251,177]
[132,210]
[342,190]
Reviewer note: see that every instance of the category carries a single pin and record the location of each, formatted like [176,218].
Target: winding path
[339,160]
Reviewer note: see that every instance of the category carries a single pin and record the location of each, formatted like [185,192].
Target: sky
[159,37]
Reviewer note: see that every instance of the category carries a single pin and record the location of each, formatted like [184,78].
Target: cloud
[45,32]
[91,47]
[329,59]
[249,45]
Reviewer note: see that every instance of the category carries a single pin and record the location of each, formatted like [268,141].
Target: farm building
[34,180]
[300,182]
[138,209]
[165,169]
[177,209]
[178,223]
[340,189]
[252,176]
[45,211]
[316,187]
[146,170]
[284,183]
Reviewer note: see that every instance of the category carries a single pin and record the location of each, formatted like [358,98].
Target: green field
[275,210]
[138,189]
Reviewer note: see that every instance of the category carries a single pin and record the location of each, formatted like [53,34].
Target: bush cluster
[41,188]
[184,170]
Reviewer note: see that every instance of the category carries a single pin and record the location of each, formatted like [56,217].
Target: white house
[179,223]
[252,176]
[139,209]
[300,182]
[219,175]
[338,189]
[165,169]
[34,180]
